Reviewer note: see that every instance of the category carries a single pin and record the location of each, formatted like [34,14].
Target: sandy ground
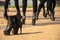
[45,29]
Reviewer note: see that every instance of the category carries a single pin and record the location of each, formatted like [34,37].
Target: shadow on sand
[57,21]
[28,33]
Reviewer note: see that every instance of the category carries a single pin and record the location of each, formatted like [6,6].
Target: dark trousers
[51,4]
[34,9]
[13,22]
[39,8]
[54,4]
[50,7]
[6,7]
[24,4]
[43,7]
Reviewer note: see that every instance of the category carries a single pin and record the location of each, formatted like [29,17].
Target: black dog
[13,23]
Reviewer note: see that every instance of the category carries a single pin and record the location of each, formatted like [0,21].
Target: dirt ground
[45,29]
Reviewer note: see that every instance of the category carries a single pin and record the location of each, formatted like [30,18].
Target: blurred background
[11,3]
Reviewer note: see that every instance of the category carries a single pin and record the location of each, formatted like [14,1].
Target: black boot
[44,14]
[47,14]
[34,19]
[5,14]
[9,26]
[52,16]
